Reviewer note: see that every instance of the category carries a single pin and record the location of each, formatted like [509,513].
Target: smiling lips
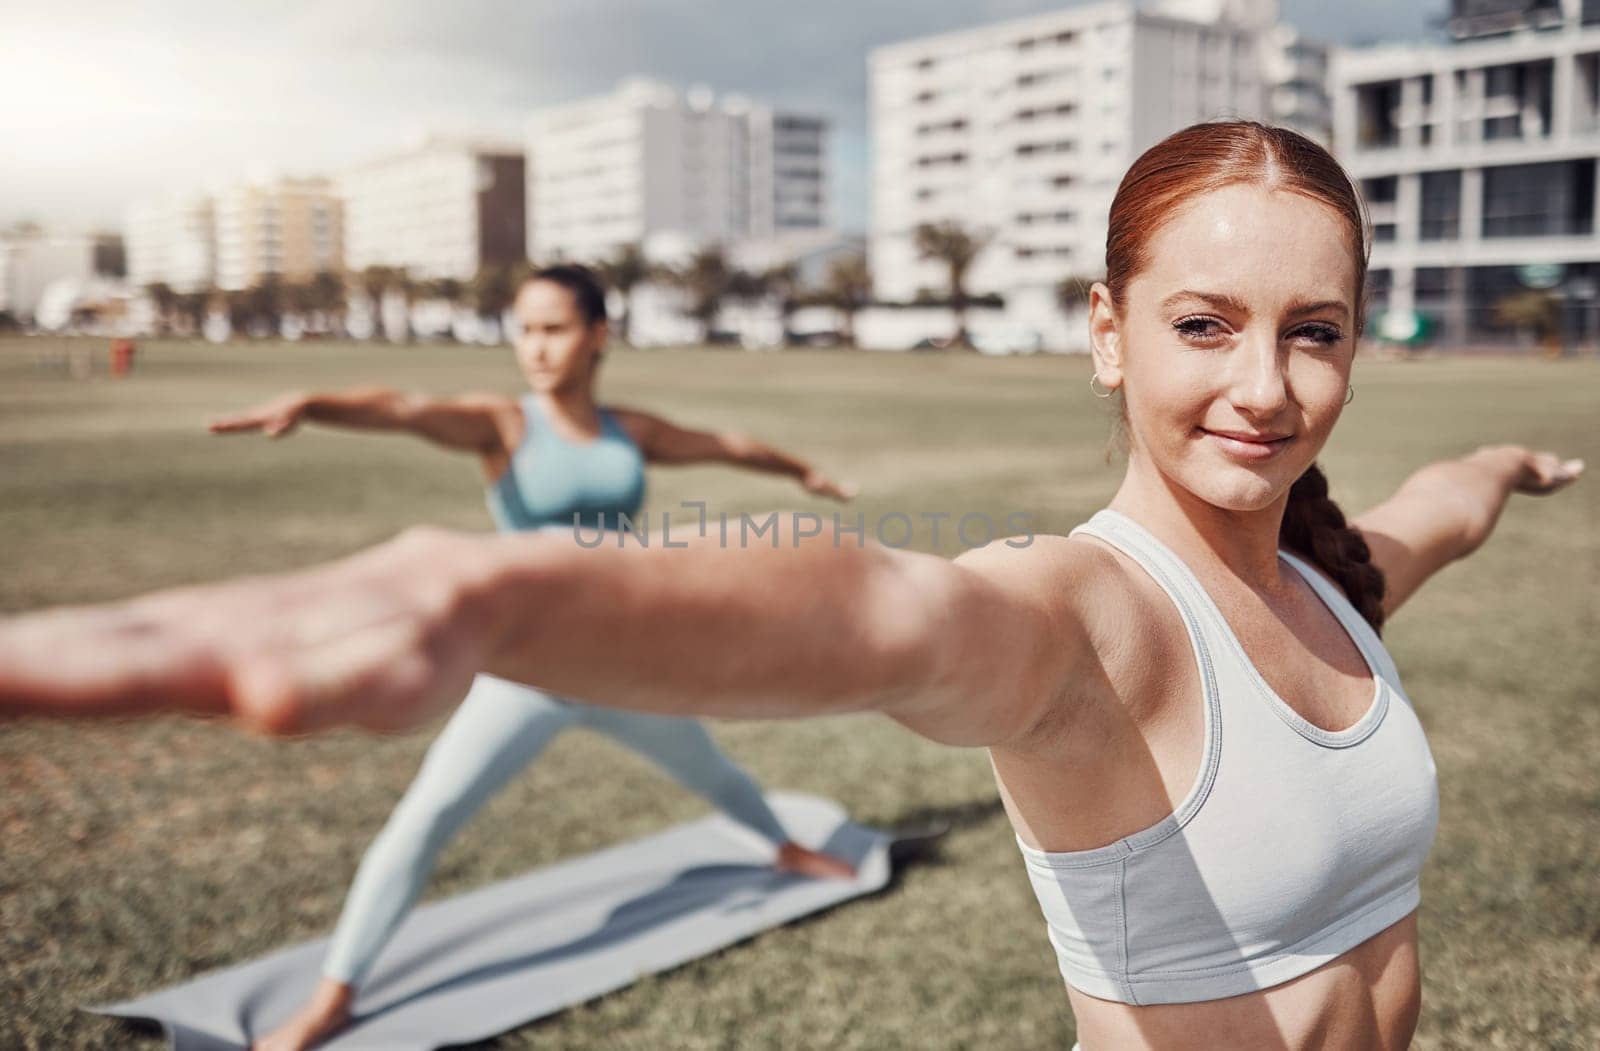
[1244,445]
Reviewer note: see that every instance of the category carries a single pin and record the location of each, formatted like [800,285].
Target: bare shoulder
[641,426]
[1053,569]
[1090,610]
[1133,646]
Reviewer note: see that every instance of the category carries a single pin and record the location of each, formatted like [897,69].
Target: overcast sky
[104,102]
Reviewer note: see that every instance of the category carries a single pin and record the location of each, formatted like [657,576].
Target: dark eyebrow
[1238,306]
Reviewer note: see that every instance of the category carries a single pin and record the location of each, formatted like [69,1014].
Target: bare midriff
[1366,999]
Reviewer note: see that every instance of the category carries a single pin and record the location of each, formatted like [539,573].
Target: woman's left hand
[820,484]
[1540,473]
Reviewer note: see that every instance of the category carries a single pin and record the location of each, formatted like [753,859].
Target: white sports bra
[1294,845]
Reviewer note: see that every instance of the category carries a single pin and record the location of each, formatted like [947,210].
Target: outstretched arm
[472,423]
[664,442]
[1446,510]
[967,652]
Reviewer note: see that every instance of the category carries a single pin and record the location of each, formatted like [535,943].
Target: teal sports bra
[552,479]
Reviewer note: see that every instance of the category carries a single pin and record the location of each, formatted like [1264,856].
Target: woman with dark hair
[555,460]
[1220,789]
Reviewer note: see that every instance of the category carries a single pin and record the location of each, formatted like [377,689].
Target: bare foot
[792,857]
[327,1012]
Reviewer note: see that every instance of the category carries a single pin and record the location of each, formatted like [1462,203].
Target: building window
[1499,129]
[1539,200]
[1379,283]
[1433,282]
[1375,115]
[1441,206]
[1383,233]
[1381,189]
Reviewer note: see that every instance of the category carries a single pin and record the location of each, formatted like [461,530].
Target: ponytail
[1314,528]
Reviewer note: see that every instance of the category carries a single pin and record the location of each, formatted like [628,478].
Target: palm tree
[493,287]
[624,271]
[375,281]
[447,288]
[951,244]
[1072,292]
[165,299]
[192,308]
[327,294]
[783,282]
[300,297]
[264,301]
[849,289]
[708,279]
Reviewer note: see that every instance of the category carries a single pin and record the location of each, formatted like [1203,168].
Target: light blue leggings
[499,729]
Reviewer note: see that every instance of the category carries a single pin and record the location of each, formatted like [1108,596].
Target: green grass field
[135,855]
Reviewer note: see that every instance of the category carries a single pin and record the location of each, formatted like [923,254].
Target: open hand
[275,419]
[820,484]
[1544,472]
[383,639]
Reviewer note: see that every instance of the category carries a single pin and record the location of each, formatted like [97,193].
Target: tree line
[707,281]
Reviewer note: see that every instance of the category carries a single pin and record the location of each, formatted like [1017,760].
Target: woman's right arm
[472,423]
[972,652]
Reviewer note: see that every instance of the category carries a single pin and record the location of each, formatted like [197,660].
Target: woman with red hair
[1219,787]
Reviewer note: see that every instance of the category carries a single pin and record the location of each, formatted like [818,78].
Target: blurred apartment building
[33,262]
[650,164]
[286,228]
[1295,69]
[440,210]
[172,241]
[1020,131]
[1477,158]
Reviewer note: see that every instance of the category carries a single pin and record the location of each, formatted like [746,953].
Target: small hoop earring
[1096,379]
[1350,394]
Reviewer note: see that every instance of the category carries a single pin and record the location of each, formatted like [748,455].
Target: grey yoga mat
[469,967]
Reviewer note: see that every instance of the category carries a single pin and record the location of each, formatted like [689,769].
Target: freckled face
[1234,344]
[556,348]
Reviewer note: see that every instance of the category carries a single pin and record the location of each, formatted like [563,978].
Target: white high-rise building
[1294,68]
[1021,131]
[649,160]
[287,228]
[1296,72]
[440,210]
[1478,162]
[171,241]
